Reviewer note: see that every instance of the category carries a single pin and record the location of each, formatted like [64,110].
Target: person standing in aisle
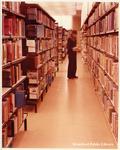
[71,46]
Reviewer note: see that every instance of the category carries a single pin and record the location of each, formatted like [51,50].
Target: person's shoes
[76,77]
[70,77]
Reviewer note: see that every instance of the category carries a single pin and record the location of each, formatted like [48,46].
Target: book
[5,111]
[12,102]
[35,31]
[30,43]
[34,77]
[116,19]
[10,128]
[17,72]
[33,61]
[6,78]
[32,14]
[4,53]
[19,98]
[8,22]
[13,6]
[11,51]
[15,118]
[20,115]
[4,137]
[114,124]
[34,92]
[13,26]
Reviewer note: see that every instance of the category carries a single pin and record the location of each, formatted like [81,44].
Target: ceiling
[60,8]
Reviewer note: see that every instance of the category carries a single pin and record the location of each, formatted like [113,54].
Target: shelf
[109,77]
[105,92]
[104,33]
[19,60]
[105,14]
[6,90]
[40,52]
[107,119]
[105,53]
[6,65]
[14,62]
[39,66]
[10,12]
[10,139]
[12,37]
[38,23]
[91,12]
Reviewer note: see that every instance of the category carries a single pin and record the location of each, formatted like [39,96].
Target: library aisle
[70,116]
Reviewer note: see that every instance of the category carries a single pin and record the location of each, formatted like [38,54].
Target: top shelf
[91,12]
[38,23]
[40,8]
[100,17]
[105,14]
[10,12]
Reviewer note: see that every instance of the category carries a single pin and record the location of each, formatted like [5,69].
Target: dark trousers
[72,65]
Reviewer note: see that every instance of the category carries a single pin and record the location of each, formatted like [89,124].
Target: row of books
[102,56]
[11,50]
[108,64]
[105,86]
[11,102]
[14,99]
[35,14]
[36,90]
[101,42]
[11,129]
[110,89]
[60,42]
[12,6]
[105,7]
[35,61]
[39,31]
[101,9]
[108,85]
[60,30]
[39,45]
[111,115]
[12,26]
[53,52]
[106,24]
[36,76]
[11,75]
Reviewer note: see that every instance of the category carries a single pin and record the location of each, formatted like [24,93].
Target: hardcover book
[20,98]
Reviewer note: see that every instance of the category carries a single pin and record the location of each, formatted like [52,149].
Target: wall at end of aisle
[65,21]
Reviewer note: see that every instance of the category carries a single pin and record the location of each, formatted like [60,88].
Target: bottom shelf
[105,113]
[34,102]
[10,139]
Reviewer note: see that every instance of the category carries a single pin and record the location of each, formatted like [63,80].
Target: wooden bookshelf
[62,43]
[100,31]
[41,51]
[13,79]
